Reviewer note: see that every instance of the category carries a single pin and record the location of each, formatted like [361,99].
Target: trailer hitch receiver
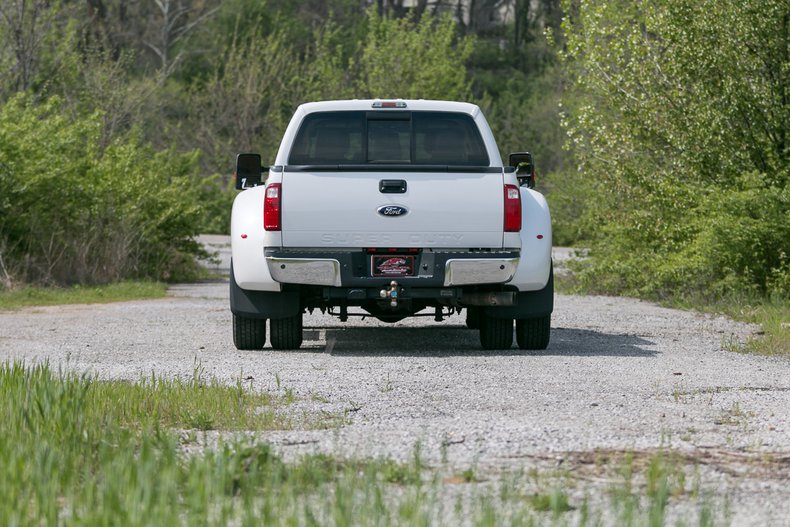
[391,293]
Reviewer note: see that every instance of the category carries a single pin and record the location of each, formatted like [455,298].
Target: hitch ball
[391,293]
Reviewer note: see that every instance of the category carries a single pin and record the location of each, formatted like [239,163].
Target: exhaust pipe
[493,298]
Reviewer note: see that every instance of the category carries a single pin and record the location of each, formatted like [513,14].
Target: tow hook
[391,293]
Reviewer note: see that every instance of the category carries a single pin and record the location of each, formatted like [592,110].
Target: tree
[414,59]
[31,43]
[681,118]
[175,20]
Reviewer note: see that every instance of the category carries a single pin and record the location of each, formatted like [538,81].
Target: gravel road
[618,374]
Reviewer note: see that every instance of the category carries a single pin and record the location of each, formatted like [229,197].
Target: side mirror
[248,171]
[525,168]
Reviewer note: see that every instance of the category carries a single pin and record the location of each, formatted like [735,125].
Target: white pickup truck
[395,207]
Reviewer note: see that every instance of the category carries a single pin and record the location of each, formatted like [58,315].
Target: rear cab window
[388,137]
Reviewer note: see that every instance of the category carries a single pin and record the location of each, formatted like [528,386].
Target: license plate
[391,265]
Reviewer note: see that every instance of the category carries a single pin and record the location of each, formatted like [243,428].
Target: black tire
[496,333]
[286,333]
[249,333]
[473,317]
[533,333]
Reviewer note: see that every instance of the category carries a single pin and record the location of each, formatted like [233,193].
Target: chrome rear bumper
[479,271]
[431,270]
[306,271]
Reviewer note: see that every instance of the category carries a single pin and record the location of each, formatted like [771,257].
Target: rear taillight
[271,207]
[512,208]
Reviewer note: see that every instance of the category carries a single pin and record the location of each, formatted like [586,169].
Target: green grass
[194,403]
[47,296]
[78,451]
[771,314]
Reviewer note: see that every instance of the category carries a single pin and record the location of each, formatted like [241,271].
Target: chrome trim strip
[308,271]
[479,271]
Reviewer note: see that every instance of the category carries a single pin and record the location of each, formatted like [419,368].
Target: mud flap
[262,304]
[529,304]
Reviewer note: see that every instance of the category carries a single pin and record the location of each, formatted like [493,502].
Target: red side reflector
[512,208]
[271,207]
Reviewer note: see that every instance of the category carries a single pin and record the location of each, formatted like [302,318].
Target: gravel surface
[618,374]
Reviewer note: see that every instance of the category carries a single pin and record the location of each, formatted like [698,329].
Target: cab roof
[402,105]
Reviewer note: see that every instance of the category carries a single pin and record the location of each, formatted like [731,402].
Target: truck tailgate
[437,209]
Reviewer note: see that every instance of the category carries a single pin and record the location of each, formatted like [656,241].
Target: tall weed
[77,451]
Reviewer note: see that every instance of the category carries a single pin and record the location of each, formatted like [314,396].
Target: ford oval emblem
[392,210]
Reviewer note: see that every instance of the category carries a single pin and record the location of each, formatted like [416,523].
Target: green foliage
[525,116]
[744,238]
[246,101]
[35,38]
[681,119]
[413,60]
[568,195]
[73,213]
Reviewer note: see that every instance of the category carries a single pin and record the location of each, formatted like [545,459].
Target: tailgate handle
[392,186]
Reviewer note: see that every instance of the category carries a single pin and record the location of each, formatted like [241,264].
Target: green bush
[705,242]
[680,118]
[72,212]
[745,237]
[567,192]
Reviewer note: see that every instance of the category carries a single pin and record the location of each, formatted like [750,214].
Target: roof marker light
[400,103]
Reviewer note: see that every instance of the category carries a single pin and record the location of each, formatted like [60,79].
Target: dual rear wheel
[533,333]
[497,333]
[250,333]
